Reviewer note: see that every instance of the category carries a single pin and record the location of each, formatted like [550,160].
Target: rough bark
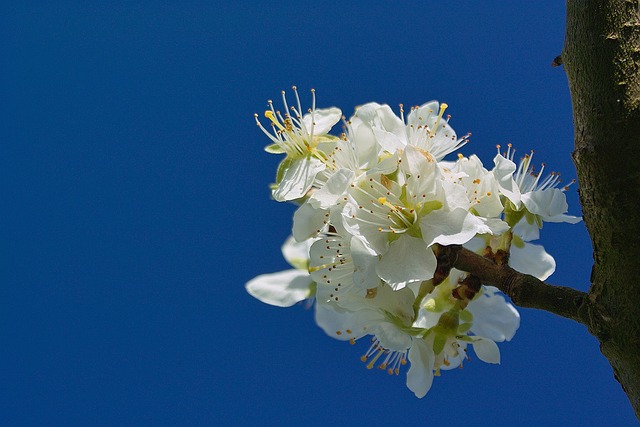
[601,57]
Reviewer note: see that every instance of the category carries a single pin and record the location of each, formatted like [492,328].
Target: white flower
[402,218]
[373,202]
[424,128]
[386,315]
[541,197]
[391,226]
[350,157]
[299,138]
[344,269]
[481,185]
[285,288]
[452,325]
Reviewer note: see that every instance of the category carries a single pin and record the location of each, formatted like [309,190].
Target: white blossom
[375,206]
[299,138]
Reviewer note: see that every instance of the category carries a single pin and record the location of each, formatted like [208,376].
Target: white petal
[335,187]
[322,120]
[366,147]
[388,129]
[282,289]
[477,244]
[308,221]
[455,196]
[425,115]
[391,337]
[407,260]
[526,231]
[397,303]
[550,204]
[425,179]
[486,350]
[365,261]
[493,316]
[388,141]
[532,259]
[367,112]
[297,253]
[418,162]
[385,118]
[503,172]
[564,218]
[457,227]
[298,179]
[345,325]
[489,204]
[420,374]
[387,166]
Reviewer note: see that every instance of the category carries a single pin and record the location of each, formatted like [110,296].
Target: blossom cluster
[378,207]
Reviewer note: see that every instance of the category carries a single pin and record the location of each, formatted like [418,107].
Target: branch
[525,290]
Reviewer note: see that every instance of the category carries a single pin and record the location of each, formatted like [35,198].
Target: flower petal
[486,350]
[308,221]
[457,227]
[336,185]
[392,338]
[297,253]
[298,179]
[345,325]
[503,172]
[407,260]
[550,204]
[282,289]
[532,259]
[365,261]
[493,316]
[420,374]
[322,120]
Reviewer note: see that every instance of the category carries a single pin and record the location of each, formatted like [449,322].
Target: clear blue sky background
[135,206]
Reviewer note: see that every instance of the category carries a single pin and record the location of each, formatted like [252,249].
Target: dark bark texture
[601,57]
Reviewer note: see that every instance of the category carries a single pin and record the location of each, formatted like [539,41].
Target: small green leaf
[438,343]
[464,327]
[274,149]
[466,316]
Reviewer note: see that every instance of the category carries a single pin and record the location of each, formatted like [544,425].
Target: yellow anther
[382,200]
[443,107]
[269,115]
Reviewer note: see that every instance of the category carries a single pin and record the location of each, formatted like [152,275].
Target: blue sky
[136,207]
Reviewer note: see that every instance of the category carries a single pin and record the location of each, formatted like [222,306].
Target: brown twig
[525,290]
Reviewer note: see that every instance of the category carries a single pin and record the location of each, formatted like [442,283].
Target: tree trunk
[601,57]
